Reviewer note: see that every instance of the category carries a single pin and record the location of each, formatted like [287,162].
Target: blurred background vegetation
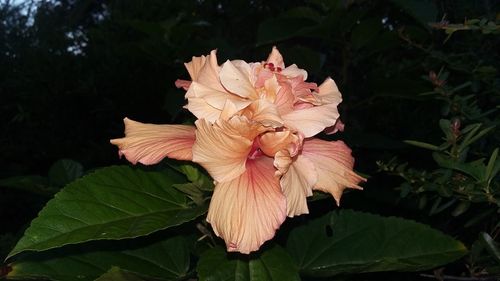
[419,80]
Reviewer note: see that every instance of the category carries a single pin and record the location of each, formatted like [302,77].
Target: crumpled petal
[207,103]
[293,70]
[334,164]
[312,120]
[222,148]
[150,143]
[236,81]
[263,112]
[205,70]
[248,210]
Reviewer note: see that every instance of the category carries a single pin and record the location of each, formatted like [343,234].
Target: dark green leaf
[490,245]
[355,242]
[165,260]
[116,274]
[423,145]
[112,203]
[273,263]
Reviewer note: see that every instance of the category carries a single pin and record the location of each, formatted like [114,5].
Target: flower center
[255,151]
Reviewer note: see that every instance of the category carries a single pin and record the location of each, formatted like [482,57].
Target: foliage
[70,70]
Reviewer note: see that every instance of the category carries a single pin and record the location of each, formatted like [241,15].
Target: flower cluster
[255,136]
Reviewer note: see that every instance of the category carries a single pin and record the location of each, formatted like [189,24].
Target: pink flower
[254,136]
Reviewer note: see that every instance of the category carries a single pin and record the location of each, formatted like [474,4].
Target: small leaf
[490,246]
[423,145]
[445,126]
[492,167]
[269,264]
[112,203]
[196,176]
[65,171]
[164,260]
[355,242]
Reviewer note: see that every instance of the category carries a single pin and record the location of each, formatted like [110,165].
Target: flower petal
[297,184]
[292,71]
[222,148]
[312,120]
[149,143]
[334,164]
[248,210]
[276,58]
[264,112]
[272,142]
[205,70]
[236,81]
[206,103]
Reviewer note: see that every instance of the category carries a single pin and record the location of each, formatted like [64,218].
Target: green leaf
[112,203]
[116,274]
[490,245]
[165,260]
[354,242]
[196,176]
[65,171]
[492,167]
[475,169]
[423,145]
[273,263]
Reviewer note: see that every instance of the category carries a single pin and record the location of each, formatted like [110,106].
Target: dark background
[70,70]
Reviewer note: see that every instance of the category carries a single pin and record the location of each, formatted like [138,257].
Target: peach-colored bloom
[254,136]
[280,93]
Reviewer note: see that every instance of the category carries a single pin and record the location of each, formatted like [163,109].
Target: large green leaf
[112,203]
[355,242]
[270,264]
[164,260]
[116,274]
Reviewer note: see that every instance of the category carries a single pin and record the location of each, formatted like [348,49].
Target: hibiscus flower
[254,136]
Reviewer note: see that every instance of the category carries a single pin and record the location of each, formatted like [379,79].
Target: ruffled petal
[150,143]
[206,103]
[205,70]
[312,120]
[236,81]
[292,71]
[222,148]
[334,165]
[248,210]
[297,184]
[272,142]
[263,112]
